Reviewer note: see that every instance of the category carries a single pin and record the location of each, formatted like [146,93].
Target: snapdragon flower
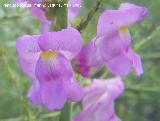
[113,42]
[46,60]
[99,99]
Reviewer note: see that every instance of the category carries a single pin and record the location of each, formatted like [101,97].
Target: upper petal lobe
[68,40]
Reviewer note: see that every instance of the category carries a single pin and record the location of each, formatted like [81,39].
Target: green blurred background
[141,100]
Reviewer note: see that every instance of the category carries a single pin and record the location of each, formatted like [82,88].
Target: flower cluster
[47,59]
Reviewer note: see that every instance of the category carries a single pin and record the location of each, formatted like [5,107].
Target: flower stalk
[66,112]
[61,17]
[83,24]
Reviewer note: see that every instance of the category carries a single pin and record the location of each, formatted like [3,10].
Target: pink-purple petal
[113,51]
[88,60]
[115,87]
[28,54]
[125,38]
[98,102]
[115,118]
[110,46]
[53,94]
[112,20]
[34,93]
[136,59]
[119,65]
[75,91]
[69,40]
[54,68]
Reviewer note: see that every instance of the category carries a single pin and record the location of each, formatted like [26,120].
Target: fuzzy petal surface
[114,54]
[56,67]
[88,61]
[28,54]
[127,14]
[34,93]
[136,59]
[98,102]
[53,94]
[75,91]
[68,40]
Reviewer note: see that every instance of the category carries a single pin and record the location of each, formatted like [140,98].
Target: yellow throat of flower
[48,54]
[124,29]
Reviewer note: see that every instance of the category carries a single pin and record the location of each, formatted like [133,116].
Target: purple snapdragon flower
[98,102]
[46,60]
[113,42]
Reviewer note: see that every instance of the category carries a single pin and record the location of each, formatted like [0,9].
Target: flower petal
[28,54]
[136,62]
[69,40]
[119,65]
[98,103]
[75,92]
[88,61]
[53,94]
[112,20]
[115,118]
[110,46]
[100,113]
[53,68]
[92,94]
[113,51]
[34,93]
[125,38]
[114,87]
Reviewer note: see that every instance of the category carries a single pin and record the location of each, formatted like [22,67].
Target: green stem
[144,89]
[66,112]
[20,118]
[61,17]
[147,40]
[83,24]
[58,14]
[151,56]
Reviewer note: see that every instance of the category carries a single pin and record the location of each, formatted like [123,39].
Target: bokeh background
[141,99]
